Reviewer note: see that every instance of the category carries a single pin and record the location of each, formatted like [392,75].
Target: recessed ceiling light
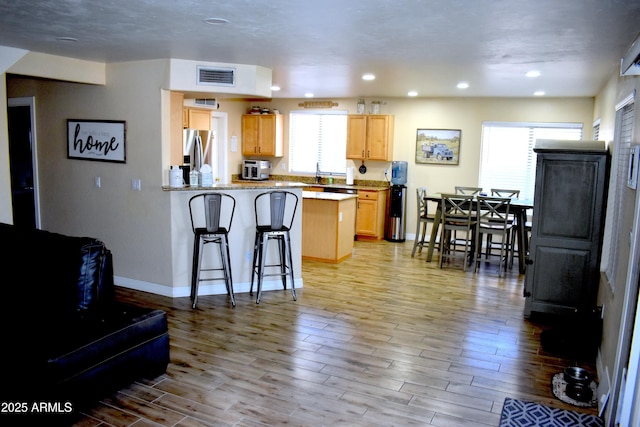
[308,95]
[368,76]
[412,93]
[538,93]
[533,73]
[67,39]
[275,88]
[462,85]
[215,21]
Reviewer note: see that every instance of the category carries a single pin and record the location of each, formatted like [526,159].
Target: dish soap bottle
[330,179]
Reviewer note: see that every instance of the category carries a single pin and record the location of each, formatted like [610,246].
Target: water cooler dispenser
[396,220]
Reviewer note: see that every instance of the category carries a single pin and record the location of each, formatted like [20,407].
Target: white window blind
[617,188]
[318,139]
[507,159]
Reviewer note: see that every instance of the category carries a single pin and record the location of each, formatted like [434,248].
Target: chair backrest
[212,211]
[493,210]
[276,209]
[468,190]
[501,192]
[458,208]
[421,202]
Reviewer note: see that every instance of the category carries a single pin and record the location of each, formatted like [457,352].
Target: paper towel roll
[349,176]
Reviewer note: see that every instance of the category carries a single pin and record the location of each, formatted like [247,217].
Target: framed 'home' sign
[102,140]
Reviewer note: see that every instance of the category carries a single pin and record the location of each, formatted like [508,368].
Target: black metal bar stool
[211,218]
[275,212]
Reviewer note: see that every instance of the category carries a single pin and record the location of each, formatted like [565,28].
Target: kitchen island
[241,238]
[328,226]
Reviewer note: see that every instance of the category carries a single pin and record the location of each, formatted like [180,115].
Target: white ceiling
[325,46]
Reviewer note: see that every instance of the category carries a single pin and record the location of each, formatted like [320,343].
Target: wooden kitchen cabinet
[370,137]
[197,118]
[262,135]
[328,221]
[370,214]
[563,274]
[176,108]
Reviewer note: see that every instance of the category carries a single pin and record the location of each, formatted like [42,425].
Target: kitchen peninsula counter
[241,239]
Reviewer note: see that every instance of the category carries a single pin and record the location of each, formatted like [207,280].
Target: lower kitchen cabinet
[371,214]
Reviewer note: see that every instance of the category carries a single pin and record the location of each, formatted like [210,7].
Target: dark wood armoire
[563,268]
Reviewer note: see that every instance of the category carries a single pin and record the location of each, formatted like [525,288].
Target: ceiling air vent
[216,76]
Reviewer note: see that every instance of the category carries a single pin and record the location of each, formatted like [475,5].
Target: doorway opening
[218,153]
[23,162]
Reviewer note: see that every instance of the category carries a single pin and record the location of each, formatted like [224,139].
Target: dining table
[519,208]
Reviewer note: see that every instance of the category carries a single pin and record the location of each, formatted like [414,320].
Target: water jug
[398,173]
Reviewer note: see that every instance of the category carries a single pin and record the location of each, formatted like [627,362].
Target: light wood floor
[381,339]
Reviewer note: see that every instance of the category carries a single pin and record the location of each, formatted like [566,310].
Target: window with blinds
[618,187]
[507,159]
[318,139]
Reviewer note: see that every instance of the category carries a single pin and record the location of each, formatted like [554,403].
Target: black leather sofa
[66,340]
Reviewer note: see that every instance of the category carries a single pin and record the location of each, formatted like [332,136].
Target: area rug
[518,413]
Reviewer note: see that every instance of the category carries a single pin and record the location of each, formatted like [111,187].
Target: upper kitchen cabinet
[197,118]
[370,137]
[262,135]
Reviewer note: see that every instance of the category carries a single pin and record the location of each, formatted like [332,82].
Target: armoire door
[568,220]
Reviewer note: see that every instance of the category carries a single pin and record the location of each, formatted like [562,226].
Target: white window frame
[323,152]
[507,159]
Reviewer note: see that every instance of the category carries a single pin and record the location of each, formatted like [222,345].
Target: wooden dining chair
[473,191]
[457,215]
[493,218]
[423,217]
[490,245]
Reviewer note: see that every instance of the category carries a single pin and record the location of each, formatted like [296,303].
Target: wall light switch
[136,185]
[234,144]
[283,166]
[97,181]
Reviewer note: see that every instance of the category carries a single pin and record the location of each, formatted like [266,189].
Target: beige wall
[129,222]
[6,215]
[613,300]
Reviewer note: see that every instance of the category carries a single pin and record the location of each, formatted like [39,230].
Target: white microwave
[256,169]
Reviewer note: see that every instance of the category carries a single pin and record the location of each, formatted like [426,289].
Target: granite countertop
[239,184]
[245,185]
[350,187]
[336,197]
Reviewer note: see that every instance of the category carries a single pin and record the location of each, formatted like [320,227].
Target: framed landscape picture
[438,146]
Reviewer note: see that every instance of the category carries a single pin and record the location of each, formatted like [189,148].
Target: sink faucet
[317,172]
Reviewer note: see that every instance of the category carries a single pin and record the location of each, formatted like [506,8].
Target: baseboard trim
[204,289]
[604,384]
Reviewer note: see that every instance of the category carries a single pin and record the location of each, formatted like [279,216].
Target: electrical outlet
[97,181]
[136,185]
[283,165]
